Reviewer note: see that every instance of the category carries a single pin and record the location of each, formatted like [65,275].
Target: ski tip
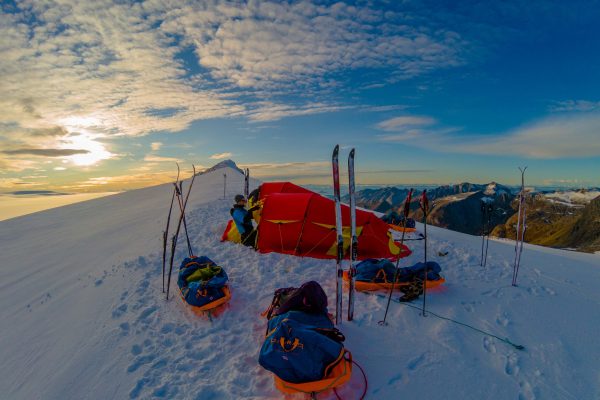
[352,153]
[336,149]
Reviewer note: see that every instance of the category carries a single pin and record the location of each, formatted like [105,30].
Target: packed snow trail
[83,313]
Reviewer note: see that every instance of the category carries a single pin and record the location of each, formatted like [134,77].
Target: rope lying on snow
[362,396]
[505,340]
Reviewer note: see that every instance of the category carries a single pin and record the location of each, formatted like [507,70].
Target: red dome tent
[299,222]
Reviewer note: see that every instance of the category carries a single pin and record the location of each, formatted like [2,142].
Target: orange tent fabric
[300,222]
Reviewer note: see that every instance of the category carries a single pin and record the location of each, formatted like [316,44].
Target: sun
[96,150]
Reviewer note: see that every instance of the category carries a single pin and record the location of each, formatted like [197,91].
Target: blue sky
[100,96]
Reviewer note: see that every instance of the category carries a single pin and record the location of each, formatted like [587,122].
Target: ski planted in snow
[174,239]
[424,204]
[179,191]
[397,271]
[246,182]
[483,228]
[166,231]
[521,228]
[339,234]
[490,210]
[487,210]
[353,237]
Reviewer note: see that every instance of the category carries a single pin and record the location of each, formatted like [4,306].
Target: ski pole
[396,272]
[166,231]
[425,207]
[174,241]
[520,227]
[490,209]
[483,209]
[353,237]
[180,202]
[339,234]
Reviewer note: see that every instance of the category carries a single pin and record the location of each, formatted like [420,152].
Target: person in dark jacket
[243,220]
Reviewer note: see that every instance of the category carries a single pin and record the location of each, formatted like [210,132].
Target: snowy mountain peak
[490,189]
[223,164]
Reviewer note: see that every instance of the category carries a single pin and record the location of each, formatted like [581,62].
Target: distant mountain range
[562,219]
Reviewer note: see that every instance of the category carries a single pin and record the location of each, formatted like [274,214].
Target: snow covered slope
[83,316]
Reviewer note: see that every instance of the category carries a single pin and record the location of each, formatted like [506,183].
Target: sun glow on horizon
[96,150]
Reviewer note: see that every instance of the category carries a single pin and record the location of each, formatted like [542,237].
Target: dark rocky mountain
[381,200]
[586,231]
[548,223]
[456,207]
[462,212]
[551,221]
[554,224]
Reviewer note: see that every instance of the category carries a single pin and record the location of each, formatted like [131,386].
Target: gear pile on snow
[202,283]
[302,347]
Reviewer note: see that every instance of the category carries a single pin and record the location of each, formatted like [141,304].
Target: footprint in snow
[549,291]
[136,349]
[124,328]
[119,311]
[526,392]
[502,320]
[512,364]
[416,362]
[147,313]
[139,361]
[488,345]
[395,379]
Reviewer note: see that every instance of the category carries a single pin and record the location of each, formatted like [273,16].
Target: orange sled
[371,286]
[401,229]
[339,373]
[210,306]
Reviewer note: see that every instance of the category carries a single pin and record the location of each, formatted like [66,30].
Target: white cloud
[102,68]
[565,136]
[575,105]
[268,111]
[568,136]
[154,158]
[156,146]
[391,107]
[220,156]
[404,122]
[115,79]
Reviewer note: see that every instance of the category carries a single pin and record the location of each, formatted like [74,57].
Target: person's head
[240,199]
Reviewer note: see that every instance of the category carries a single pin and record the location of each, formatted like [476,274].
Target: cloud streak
[220,156]
[402,123]
[46,152]
[565,136]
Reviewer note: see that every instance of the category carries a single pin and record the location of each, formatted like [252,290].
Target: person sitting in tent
[243,220]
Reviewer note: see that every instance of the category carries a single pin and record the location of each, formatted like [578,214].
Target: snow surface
[83,315]
[12,206]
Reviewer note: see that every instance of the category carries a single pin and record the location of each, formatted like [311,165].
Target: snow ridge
[84,315]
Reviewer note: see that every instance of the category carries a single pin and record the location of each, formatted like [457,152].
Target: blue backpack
[300,347]
[418,270]
[382,271]
[201,281]
[375,270]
